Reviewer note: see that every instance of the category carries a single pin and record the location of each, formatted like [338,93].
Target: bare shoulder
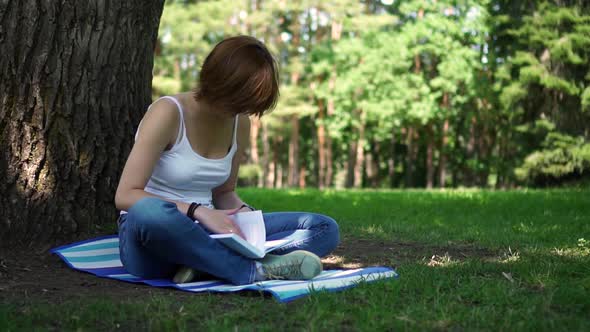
[163,109]
[160,122]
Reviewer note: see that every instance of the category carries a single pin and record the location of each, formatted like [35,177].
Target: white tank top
[183,175]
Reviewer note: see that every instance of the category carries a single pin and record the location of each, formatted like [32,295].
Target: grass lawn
[475,260]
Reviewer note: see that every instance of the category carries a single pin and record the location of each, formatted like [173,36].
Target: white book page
[274,244]
[252,226]
[240,245]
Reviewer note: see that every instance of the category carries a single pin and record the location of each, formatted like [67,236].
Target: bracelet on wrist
[191,210]
[248,206]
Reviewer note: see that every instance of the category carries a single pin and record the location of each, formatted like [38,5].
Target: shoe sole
[309,271]
[183,275]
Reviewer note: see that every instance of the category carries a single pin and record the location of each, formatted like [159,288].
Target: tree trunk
[470,173]
[443,155]
[360,154]
[293,175]
[254,128]
[350,164]
[484,144]
[336,33]
[274,168]
[391,160]
[429,157]
[371,165]
[302,174]
[75,82]
[279,179]
[442,176]
[410,157]
[321,145]
[254,154]
[329,161]
[412,146]
[266,171]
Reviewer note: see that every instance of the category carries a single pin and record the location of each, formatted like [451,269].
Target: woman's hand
[218,221]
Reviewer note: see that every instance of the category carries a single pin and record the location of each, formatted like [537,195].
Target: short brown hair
[239,75]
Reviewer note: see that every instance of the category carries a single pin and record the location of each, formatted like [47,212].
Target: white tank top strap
[236,120]
[181,129]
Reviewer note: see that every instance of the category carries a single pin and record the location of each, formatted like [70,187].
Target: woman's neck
[204,112]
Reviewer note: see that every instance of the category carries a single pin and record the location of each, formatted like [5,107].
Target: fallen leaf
[508,276]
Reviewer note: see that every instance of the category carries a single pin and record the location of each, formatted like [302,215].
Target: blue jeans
[155,239]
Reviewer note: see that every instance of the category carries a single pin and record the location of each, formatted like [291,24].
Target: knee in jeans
[332,231]
[146,203]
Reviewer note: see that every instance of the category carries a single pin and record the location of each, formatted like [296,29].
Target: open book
[255,245]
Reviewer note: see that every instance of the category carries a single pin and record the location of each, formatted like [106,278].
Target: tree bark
[266,172]
[410,157]
[293,175]
[371,165]
[293,171]
[336,33]
[279,178]
[75,80]
[443,155]
[350,164]
[391,160]
[254,128]
[429,157]
[254,154]
[446,103]
[360,153]
[302,175]
[321,132]
[329,161]
[470,173]
[274,167]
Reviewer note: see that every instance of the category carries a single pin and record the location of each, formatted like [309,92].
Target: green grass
[538,277]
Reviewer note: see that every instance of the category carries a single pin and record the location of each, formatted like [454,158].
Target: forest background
[389,94]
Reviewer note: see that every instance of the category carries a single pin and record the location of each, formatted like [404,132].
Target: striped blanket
[100,256]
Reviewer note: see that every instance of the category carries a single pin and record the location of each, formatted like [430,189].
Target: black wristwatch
[248,206]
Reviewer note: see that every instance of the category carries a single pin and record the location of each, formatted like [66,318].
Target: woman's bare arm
[224,196]
[158,130]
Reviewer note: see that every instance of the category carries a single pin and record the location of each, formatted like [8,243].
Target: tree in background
[400,93]
[383,93]
[541,82]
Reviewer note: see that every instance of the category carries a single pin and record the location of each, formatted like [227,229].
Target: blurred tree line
[416,93]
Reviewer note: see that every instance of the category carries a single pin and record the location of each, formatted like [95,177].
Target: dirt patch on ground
[355,253]
[36,275]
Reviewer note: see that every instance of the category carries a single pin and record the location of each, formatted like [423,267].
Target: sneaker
[296,265]
[183,275]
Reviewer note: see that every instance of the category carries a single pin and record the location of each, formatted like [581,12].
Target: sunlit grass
[533,275]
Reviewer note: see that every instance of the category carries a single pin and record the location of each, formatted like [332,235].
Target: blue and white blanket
[100,256]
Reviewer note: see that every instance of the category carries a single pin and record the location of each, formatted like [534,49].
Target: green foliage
[491,71]
[562,158]
[551,48]
[249,173]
